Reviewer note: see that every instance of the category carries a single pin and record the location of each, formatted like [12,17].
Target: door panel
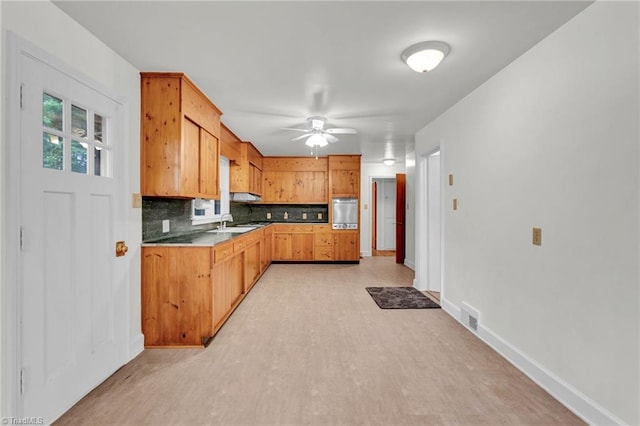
[70,182]
[401,190]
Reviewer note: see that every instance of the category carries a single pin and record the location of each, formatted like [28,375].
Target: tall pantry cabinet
[180,134]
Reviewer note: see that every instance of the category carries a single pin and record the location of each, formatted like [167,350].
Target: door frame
[10,258]
[421,280]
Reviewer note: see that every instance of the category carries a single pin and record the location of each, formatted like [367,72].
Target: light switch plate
[536,238]
[319,215]
[455,204]
[136,201]
[450,180]
[268,215]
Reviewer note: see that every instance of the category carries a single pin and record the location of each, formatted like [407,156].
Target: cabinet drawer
[324,239]
[238,246]
[293,228]
[222,252]
[322,228]
[323,253]
[253,237]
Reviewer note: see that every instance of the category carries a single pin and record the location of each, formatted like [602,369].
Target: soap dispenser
[286,215]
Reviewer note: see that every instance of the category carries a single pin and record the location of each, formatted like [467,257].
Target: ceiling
[270,65]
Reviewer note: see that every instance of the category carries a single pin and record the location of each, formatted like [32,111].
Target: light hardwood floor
[309,346]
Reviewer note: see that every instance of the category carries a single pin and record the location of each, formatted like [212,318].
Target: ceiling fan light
[389,161]
[424,57]
[316,139]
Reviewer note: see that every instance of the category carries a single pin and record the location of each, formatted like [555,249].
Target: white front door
[73,295]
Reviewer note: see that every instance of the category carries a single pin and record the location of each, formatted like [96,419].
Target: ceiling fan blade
[295,129]
[336,131]
[301,137]
[330,138]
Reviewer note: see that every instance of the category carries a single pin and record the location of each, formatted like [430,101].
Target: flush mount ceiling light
[425,56]
[389,161]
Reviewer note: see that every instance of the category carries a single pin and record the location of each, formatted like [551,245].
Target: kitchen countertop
[212,238]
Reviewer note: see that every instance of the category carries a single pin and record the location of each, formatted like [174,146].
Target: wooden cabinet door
[302,246]
[236,278]
[268,247]
[282,246]
[345,183]
[221,297]
[190,173]
[209,158]
[346,245]
[255,180]
[252,260]
[176,295]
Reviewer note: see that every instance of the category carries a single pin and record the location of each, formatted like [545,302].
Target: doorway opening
[383,223]
[429,224]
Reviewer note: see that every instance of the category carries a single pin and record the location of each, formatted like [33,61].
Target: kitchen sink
[234,229]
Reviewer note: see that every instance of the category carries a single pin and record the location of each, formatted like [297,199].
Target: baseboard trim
[409,264]
[136,346]
[581,405]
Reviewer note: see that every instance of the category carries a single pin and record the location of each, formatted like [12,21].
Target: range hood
[244,197]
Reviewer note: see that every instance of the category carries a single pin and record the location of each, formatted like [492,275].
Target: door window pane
[51,112]
[52,151]
[98,160]
[78,157]
[78,121]
[97,127]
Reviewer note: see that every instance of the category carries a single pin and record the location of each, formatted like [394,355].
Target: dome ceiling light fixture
[388,161]
[425,56]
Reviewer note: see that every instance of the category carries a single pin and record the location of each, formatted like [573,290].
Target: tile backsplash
[178,212]
[243,213]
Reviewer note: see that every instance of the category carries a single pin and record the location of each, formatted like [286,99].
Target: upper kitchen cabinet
[246,174]
[344,176]
[229,144]
[180,133]
[294,180]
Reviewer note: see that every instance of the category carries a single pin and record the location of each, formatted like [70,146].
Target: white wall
[47,27]
[551,141]
[368,171]
[410,225]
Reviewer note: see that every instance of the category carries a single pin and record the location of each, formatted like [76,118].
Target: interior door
[401,197]
[72,334]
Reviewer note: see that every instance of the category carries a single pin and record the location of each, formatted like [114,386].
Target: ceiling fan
[318,135]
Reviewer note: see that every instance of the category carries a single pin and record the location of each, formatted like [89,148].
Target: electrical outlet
[165,226]
[319,215]
[268,215]
[304,216]
[536,238]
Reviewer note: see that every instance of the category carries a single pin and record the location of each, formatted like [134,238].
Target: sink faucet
[223,220]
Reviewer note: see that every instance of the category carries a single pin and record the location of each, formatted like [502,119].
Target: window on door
[74,137]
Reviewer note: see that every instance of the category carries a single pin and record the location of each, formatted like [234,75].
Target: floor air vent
[469,316]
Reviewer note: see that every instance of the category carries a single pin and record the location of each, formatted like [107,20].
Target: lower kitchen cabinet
[346,245]
[293,246]
[228,282]
[176,295]
[189,292]
[315,243]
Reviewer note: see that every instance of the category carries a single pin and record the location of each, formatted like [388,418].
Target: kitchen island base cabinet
[176,296]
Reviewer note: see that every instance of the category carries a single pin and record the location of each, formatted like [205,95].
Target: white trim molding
[567,395]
